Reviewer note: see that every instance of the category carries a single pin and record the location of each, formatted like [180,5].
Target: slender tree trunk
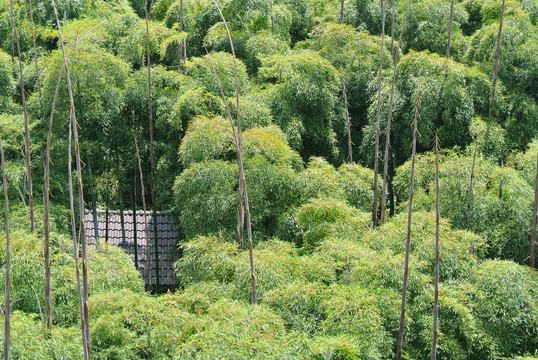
[348,272]
[135,235]
[496,70]
[408,243]
[348,123]
[75,246]
[7,313]
[341,21]
[534,218]
[389,121]
[46,201]
[107,197]
[449,33]
[152,151]
[393,15]
[94,206]
[148,252]
[378,122]
[35,58]
[181,30]
[26,131]
[436,281]
[122,217]
[80,186]
[242,180]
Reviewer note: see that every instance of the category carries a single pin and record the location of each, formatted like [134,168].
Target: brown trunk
[7,313]
[378,122]
[26,131]
[341,11]
[534,218]
[80,186]
[408,243]
[389,120]
[436,281]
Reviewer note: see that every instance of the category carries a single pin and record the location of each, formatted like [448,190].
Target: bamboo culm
[348,122]
[26,128]
[242,180]
[534,218]
[436,278]
[94,206]
[378,120]
[148,252]
[75,245]
[80,186]
[408,242]
[35,57]
[152,148]
[7,312]
[389,120]
[135,231]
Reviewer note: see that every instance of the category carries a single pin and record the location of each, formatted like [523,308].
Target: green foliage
[201,71]
[501,204]
[525,163]
[262,45]
[304,101]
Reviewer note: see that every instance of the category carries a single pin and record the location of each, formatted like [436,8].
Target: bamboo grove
[336,195]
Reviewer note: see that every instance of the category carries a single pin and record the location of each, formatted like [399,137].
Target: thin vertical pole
[348,123]
[436,284]
[408,242]
[94,206]
[135,235]
[534,218]
[7,315]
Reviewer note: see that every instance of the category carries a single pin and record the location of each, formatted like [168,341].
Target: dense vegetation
[328,282]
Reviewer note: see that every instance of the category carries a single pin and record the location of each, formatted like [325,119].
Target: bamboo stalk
[393,15]
[75,246]
[534,218]
[148,253]
[80,186]
[436,281]
[341,21]
[242,181]
[181,30]
[122,218]
[348,123]
[94,206]
[152,149]
[408,243]
[135,235]
[26,130]
[35,58]
[7,314]
[242,177]
[389,121]
[378,122]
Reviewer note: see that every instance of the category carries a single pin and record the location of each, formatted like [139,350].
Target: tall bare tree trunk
[26,131]
[148,252]
[80,186]
[237,137]
[389,120]
[378,122]
[75,246]
[534,218]
[348,122]
[35,58]
[436,281]
[408,243]
[7,314]
[152,150]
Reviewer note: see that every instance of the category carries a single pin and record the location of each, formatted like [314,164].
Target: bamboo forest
[268,179]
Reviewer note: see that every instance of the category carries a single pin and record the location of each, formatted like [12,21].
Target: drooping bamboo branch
[348,122]
[408,242]
[148,252]
[26,129]
[75,245]
[436,280]
[152,149]
[378,121]
[7,313]
[534,218]
[242,181]
[35,57]
[80,186]
[389,121]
